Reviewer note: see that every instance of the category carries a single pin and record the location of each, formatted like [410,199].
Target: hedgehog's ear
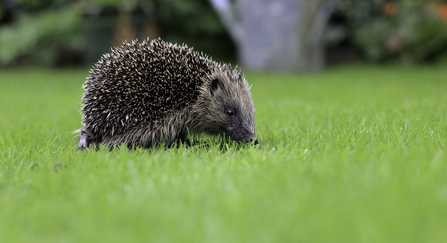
[215,83]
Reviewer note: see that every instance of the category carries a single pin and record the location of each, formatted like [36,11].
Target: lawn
[351,154]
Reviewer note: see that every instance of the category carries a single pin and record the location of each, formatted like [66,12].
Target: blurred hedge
[407,31]
[52,32]
[40,38]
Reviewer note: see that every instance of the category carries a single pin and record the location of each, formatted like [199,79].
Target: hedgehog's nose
[255,140]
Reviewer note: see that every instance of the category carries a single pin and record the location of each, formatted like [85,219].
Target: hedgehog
[153,92]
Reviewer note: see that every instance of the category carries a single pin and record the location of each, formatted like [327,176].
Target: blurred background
[286,35]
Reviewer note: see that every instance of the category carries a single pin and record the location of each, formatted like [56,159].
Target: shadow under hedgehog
[153,92]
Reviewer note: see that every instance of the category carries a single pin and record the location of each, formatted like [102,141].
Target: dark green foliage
[42,37]
[408,31]
[195,22]
[51,32]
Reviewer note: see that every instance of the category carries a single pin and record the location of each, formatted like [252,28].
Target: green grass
[352,154]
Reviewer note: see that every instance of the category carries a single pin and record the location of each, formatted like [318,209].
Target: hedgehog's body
[144,94]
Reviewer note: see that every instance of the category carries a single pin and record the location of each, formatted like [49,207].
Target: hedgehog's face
[229,107]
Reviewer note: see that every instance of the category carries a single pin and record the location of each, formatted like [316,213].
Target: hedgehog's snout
[250,140]
[246,135]
[253,140]
[241,136]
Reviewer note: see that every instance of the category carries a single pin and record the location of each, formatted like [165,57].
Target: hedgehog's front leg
[84,140]
[183,138]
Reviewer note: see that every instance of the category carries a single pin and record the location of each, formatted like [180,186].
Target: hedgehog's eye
[230,112]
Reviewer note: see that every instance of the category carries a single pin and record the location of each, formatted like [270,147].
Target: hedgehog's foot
[186,142]
[83,140]
[184,139]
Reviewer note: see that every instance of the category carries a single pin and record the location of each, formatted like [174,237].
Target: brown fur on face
[143,94]
[225,89]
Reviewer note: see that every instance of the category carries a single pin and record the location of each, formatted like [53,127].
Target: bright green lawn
[352,154]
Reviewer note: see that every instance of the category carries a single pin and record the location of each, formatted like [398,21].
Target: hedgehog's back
[140,83]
